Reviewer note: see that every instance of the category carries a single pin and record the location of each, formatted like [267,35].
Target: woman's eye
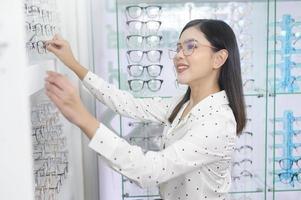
[190,46]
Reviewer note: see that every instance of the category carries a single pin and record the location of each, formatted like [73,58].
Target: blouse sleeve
[145,109]
[204,143]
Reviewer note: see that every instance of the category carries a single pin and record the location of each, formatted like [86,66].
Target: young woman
[200,127]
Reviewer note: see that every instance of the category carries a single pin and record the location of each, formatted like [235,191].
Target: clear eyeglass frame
[140,41]
[137,70]
[151,11]
[137,85]
[187,47]
[143,27]
[136,56]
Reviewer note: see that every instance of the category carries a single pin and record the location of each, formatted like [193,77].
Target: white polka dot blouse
[195,159]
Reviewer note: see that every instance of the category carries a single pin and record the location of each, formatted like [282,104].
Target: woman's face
[198,64]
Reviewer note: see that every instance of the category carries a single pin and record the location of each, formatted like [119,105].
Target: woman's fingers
[64,95]
[59,81]
[57,43]
[54,45]
[62,50]
[53,73]
[57,37]
[52,49]
[56,100]
[54,89]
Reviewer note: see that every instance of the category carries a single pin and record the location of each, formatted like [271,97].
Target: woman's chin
[182,81]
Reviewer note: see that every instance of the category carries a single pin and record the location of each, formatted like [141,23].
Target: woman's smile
[181,67]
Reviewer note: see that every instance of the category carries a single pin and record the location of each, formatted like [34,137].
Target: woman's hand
[65,96]
[62,50]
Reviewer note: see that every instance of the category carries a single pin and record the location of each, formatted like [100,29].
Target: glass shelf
[259,68]
[288,190]
[242,192]
[139,196]
[288,93]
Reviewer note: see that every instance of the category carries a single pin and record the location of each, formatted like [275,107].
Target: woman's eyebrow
[188,40]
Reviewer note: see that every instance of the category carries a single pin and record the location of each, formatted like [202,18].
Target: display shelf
[57,163]
[139,196]
[270,80]
[287,190]
[243,192]
[284,90]
[295,93]
[254,95]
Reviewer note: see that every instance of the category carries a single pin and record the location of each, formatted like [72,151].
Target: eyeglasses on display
[137,70]
[143,27]
[139,41]
[136,56]
[135,11]
[153,85]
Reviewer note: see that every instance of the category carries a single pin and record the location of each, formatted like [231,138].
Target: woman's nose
[179,55]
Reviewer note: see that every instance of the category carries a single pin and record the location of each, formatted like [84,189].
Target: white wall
[15,133]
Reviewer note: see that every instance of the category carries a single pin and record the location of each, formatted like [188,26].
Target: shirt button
[168,132]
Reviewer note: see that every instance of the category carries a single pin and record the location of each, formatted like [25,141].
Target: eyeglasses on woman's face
[188,47]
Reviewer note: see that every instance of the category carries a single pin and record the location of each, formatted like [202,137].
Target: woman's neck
[201,91]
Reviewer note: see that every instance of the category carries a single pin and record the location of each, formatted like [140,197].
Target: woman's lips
[181,68]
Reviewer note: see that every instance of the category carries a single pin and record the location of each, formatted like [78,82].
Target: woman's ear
[220,58]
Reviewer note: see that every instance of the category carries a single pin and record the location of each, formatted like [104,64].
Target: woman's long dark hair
[221,36]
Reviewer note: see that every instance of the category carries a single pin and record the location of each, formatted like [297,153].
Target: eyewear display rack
[270,63]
